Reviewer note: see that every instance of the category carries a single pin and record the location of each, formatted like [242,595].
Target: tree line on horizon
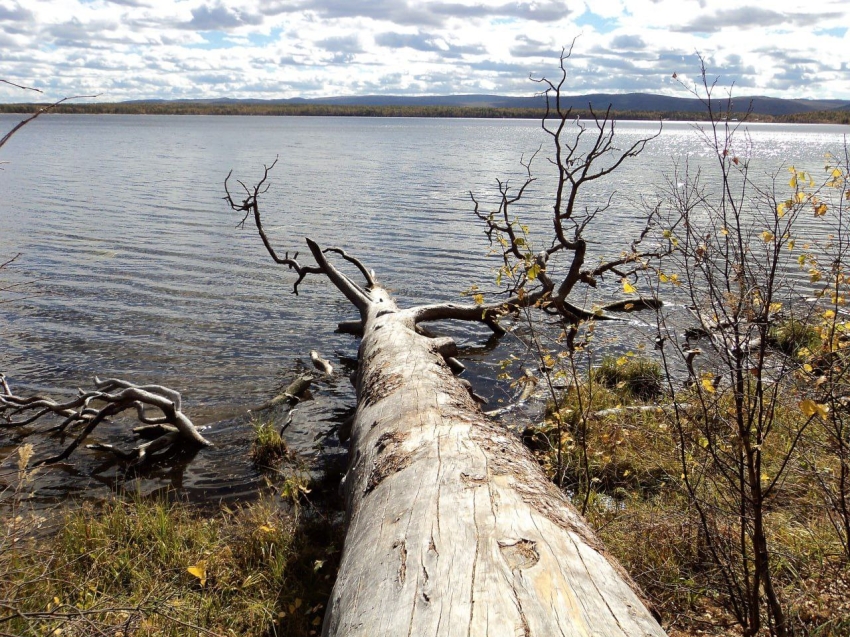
[836,116]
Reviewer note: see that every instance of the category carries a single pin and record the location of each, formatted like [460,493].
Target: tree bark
[453,528]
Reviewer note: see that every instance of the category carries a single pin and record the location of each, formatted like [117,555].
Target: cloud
[752,18]
[536,11]
[407,13]
[220,18]
[77,34]
[628,42]
[128,3]
[397,11]
[15,13]
[529,47]
[342,44]
[427,43]
[287,48]
[501,67]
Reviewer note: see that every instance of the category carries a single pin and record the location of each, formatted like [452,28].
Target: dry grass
[149,567]
[643,515]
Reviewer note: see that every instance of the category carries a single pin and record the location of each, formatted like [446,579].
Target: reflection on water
[133,266]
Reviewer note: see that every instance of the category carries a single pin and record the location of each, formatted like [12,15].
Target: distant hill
[625,106]
[600,101]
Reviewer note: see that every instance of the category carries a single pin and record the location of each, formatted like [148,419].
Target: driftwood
[114,396]
[322,364]
[289,396]
[453,529]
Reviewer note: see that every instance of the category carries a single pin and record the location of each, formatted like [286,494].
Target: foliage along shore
[838,116]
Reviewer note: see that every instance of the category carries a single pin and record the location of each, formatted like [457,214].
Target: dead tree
[453,529]
[583,154]
[89,408]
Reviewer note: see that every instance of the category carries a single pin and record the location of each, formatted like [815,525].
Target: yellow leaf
[829,314]
[708,382]
[791,244]
[724,231]
[780,210]
[662,277]
[298,602]
[793,181]
[266,528]
[811,408]
[199,570]
[479,299]
[317,620]
[767,236]
[814,275]
[820,210]
[836,173]
[808,368]
[775,307]
[801,197]
[628,288]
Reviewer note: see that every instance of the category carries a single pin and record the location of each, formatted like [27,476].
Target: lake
[131,264]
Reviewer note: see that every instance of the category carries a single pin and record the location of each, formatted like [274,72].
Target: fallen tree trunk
[453,528]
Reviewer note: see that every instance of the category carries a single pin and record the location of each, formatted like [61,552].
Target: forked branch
[167,424]
[583,153]
[250,206]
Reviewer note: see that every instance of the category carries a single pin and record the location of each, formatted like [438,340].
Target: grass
[637,376]
[793,335]
[149,567]
[269,448]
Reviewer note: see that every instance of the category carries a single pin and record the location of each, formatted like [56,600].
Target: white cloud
[133,49]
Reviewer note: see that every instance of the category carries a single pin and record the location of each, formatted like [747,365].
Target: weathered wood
[322,364]
[453,528]
[291,395]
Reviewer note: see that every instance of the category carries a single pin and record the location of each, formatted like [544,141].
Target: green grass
[150,567]
[635,376]
[792,335]
[269,448]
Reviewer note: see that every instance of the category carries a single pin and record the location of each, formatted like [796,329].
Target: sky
[271,49]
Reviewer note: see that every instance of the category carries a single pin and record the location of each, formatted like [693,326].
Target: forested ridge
[834,116]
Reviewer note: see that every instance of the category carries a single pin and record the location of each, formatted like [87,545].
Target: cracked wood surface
[453,528]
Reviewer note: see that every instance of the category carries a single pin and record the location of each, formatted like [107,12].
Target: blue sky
[179,49]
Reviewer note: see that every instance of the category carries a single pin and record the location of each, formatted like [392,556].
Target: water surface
[133,266]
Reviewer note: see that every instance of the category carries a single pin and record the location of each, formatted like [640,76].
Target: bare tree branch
[39,112]
[172,425]
[25,88]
